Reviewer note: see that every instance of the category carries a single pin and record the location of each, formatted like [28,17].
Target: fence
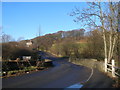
[111,68]
[19,64]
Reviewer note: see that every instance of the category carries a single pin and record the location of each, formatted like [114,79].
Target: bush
[13,50]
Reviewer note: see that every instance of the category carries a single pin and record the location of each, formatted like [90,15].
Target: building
[29,43]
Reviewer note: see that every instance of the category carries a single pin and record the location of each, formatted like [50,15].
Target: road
[62,75]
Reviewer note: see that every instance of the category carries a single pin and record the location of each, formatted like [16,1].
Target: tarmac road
[62,75]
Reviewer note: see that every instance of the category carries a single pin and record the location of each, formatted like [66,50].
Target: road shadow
[47,55]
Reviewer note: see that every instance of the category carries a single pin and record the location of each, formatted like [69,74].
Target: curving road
[62,75]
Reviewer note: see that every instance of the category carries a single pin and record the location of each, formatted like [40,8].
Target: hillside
[46,41]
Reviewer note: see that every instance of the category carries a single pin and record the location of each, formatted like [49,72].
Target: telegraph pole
[39,33]
[39,30]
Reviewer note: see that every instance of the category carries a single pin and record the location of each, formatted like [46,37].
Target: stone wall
[91,63]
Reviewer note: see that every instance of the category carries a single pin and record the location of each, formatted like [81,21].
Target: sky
[58,0]
[23,19]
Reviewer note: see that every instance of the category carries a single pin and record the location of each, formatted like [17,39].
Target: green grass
[25,69]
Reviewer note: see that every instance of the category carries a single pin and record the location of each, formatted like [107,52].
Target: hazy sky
[22,19]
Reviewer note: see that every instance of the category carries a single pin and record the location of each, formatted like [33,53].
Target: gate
[112,68]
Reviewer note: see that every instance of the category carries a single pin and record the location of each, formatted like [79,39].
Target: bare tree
[113,23]
[6,38]
[102,16]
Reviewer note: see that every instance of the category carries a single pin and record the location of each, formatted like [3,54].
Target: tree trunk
[114,42]
[110,48]
[103,30]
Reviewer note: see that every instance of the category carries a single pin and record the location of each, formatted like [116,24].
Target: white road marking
[78,85]
[90,75]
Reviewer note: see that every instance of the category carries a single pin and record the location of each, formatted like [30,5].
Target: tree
[6,38]
[102,16]
[94,45]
